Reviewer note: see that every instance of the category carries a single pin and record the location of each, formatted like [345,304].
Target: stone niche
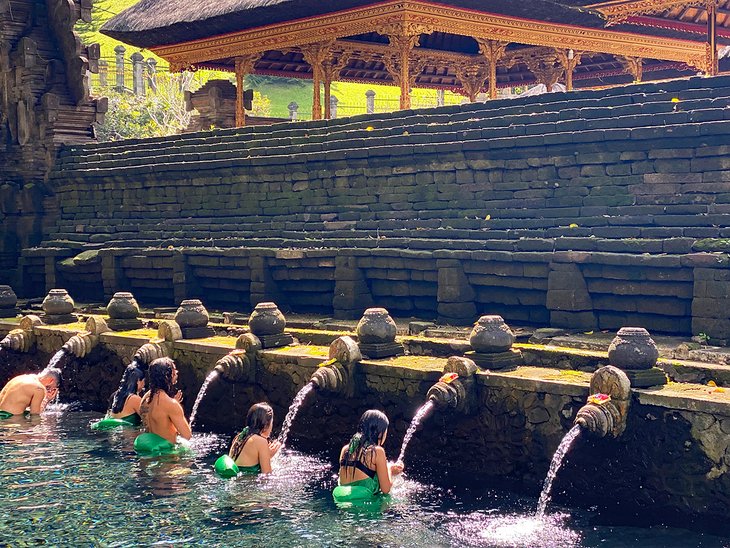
[215,103]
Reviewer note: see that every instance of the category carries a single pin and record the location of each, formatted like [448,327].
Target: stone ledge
[687,397]
[539,379]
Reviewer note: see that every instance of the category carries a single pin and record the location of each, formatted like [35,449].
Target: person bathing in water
[160,407]
[126,401]
[29,393]
[364,468]
[251,450]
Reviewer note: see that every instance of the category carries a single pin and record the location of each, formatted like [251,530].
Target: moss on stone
[712,244]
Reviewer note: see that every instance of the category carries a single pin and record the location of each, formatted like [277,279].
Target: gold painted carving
[413,15]
[619,11]
[493,51]
[634,65]
[244,65]
[316,55]
[569,59]
[472,77]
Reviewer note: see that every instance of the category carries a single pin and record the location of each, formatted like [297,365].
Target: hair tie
[243,433]
[354,443]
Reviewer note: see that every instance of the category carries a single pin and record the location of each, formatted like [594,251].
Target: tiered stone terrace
[580,210]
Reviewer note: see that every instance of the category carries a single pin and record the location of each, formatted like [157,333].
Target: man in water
[160,409]
[29,392]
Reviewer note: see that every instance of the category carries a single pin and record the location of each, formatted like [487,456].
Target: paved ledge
[688,397]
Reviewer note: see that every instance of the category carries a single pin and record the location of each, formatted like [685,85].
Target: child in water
[251,449]
[364,468]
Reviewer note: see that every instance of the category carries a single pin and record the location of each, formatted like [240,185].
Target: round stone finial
[376,327]
[191,313]
[8,298]
[266,319]
[491,335]
[123,306]
[633,348]
[58,302]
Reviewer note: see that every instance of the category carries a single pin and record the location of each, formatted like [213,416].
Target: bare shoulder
[259,441]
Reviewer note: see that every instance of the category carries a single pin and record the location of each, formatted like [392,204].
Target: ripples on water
[63,485]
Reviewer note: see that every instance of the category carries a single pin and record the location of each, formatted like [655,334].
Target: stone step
[406,144]
[641,93]
[636,115]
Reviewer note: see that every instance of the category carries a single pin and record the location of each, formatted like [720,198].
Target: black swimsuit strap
[359,465]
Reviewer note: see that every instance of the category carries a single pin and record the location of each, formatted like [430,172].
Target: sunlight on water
[213,375]
[421,414]
[293,410]
[482,529]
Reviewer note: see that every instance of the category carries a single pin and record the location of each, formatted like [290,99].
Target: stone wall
[580,210]
[672,465]
[44,102]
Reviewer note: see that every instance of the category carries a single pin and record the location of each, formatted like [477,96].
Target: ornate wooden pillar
[547,69]
[493,51]
[472,77]
[244,66]
[315,55]
[712,60]
[331,70]
[569,59]
[635,66]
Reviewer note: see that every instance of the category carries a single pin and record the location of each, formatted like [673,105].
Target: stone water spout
[22,339]
[82,343]
[607,409]
[456,388]
[149,352]
[239,365]
[336,375]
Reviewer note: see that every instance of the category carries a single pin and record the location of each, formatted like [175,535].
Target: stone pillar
[103,73]
[568,299]
[352,294]
[138,86]
[263,286]
[440,99]
[293,111]
[710,304]
[370,101]
[184,282]
[152,74]
[119,62]
[455,294]
[493,51]
[333,107]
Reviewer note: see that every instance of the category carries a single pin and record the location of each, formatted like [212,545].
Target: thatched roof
[153,23]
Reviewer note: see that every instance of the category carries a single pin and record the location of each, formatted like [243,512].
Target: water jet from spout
[293,410]
[209,379]
[420,415]
[555,465]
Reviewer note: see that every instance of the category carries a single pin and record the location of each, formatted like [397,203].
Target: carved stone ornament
[266,319]
[376,326]
[58,302]
[491,335]
[633,348]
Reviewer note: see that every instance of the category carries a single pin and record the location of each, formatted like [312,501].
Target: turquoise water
[63,485]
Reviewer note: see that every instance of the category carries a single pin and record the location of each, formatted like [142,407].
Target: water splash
[55,361]
[555,465]
[421,414]
[293,410]
[209,379]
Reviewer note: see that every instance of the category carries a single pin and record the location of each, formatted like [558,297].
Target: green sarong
[110,423]
[152,445]
[226,467]
[358,492]
[5,415]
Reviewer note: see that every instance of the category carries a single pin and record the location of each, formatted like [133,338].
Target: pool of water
[63,485]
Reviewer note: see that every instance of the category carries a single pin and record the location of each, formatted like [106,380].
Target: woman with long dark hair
[251,450]
[364,468]
[161,412]
[127,399]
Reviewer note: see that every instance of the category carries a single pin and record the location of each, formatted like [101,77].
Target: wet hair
[53,373]
[127,387]
[372,427]
[259,418]
[161,376]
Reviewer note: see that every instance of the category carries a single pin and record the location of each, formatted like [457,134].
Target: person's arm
[383,470]
[177,416]
[265,454]
[38,400]
[134,403]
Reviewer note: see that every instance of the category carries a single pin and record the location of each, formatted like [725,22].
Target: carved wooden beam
[569,59]
[634,66]
[472,77]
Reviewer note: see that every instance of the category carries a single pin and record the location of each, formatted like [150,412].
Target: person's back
[162,414]
[126,401]
[29,392]
[251,450]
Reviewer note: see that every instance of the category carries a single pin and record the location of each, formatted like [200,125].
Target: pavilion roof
[154,23]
